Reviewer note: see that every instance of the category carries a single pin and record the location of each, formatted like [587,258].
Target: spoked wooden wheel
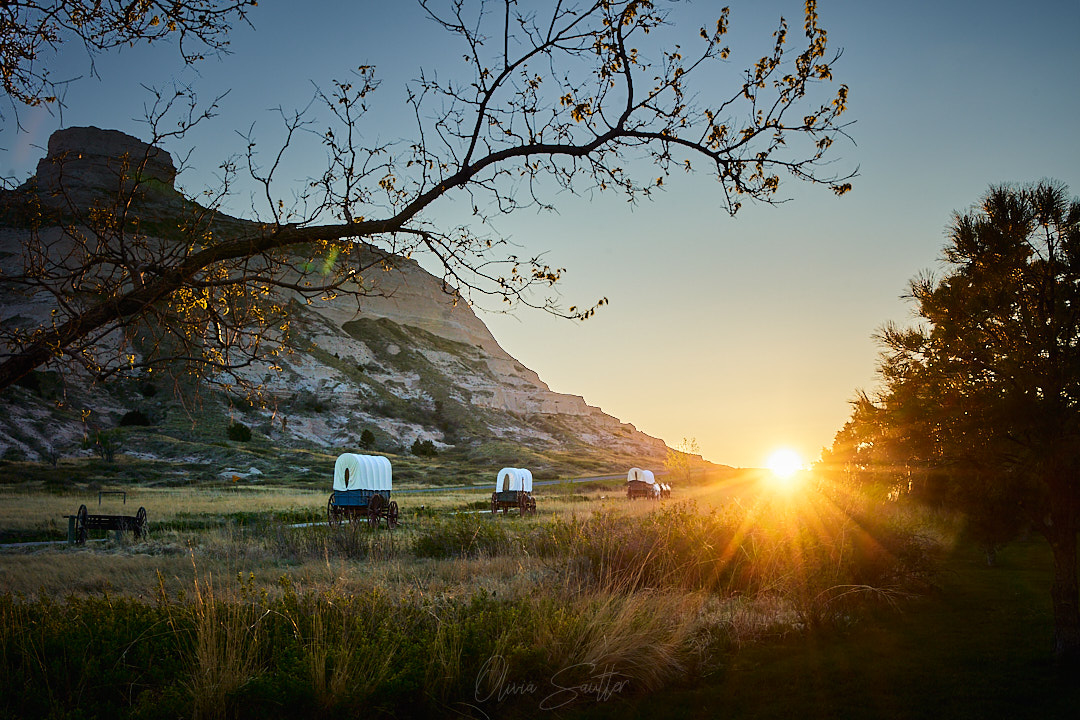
[80,525]
[375,509]
[523,504]
[140,524]
[494,505]
[333,513]
[392,515]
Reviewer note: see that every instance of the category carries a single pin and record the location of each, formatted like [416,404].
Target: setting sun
[784,463]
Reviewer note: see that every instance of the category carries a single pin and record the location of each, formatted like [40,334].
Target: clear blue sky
[745,333]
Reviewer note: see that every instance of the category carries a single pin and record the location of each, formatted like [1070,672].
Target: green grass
[710,607]
[978,647]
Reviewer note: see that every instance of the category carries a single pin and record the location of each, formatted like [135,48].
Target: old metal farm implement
[642,483]
[362,485]
[82,523]
[513,488]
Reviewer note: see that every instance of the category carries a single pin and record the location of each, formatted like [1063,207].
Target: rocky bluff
[409,363]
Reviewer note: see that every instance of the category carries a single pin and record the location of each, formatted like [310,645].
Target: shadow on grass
[979,647]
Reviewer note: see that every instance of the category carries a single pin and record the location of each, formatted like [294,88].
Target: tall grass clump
[819,553]
[465,536]
[349,645]
[357,540]
[641,640]
[225,654]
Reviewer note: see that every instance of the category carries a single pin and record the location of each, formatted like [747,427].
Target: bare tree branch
[581,97]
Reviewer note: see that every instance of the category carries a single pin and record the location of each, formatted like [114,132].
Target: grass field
[732,598]
[978,646]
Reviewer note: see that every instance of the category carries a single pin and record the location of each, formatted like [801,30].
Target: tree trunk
[1065,591]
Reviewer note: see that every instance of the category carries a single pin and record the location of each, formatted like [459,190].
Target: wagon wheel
[333,514]
[375,509]
[80,525]
[523,504]
[532,505]
[629,493]
[392,515]
[140,523]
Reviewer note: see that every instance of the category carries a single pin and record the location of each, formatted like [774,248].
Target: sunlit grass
[656,589]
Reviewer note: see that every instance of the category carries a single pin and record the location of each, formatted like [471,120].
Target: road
[489,487]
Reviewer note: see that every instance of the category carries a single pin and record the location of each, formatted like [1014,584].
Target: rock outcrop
[89,160]
[407,361]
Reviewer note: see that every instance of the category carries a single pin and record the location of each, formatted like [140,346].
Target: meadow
[241,601]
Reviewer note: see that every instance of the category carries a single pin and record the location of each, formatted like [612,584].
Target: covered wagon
[513,488]
[362,485]
[641,483]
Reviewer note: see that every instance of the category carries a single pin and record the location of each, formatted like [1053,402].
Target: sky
[745,333]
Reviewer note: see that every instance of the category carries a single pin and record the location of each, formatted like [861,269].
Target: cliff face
[406,363]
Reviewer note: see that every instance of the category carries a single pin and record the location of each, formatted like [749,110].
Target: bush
[308,401]
[238,432]
[465,536]
[14,453]
[104,443]
[135,418]
[424,448]
[367,439]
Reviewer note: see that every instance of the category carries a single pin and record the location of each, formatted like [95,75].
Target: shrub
[51,456]
[308,401]
[104,443]
[464,536]
[367,439]
[135,418]
[424,448]
[14,453]
[238,432]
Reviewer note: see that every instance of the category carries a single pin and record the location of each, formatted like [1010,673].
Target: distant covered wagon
[642,483]
[362,485]
[513,488]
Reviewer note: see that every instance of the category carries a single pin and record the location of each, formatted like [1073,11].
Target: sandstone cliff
[409,363]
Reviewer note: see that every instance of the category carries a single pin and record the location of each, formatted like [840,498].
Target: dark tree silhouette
[986,391]
[33,32]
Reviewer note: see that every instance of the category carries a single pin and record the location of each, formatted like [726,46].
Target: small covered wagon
[362,485]
[513,489]
[642,484]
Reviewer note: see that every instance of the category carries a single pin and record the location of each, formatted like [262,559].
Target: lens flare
[784,463]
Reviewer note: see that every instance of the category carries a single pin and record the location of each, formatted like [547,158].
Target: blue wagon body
[358,498]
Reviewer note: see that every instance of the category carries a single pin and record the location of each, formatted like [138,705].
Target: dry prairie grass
[593,592]
[647,637]
[22,509]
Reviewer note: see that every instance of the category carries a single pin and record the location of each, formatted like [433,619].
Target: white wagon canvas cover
[639,475]
[514,479]
[362,472]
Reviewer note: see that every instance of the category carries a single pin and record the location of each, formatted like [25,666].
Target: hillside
[408,363]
